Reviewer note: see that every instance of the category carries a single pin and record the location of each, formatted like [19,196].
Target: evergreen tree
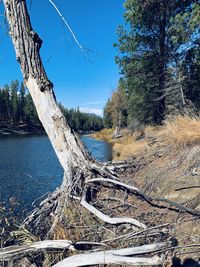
[15,101]
[16,106]
[5,104]
[107,117]
[22,102]
[31,116]
[115,111]
[148,47]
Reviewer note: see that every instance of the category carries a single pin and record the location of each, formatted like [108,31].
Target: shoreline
[30,130]
[20,131]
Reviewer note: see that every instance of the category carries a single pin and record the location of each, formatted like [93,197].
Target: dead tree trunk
[70,151]
[73,156]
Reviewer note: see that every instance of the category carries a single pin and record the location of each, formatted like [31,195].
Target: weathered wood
[106,258]
[70,151]
[14,252]
[120,256]
[17,252]
[108,219]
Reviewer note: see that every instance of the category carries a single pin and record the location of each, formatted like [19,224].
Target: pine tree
[31,116]
[147,47]
[22,103]
[15,101]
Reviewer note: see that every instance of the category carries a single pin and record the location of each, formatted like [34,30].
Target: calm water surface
[29,167]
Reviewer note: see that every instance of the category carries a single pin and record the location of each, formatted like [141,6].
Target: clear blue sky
[77,81]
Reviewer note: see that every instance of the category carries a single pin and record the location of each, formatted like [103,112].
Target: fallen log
[17,252]
[119,256]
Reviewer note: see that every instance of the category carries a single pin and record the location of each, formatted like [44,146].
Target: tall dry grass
[181,130]
[105,134]
[124,151]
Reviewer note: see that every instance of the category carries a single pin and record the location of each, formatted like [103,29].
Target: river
[29,167]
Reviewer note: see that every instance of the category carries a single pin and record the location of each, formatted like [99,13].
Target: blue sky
[78,81]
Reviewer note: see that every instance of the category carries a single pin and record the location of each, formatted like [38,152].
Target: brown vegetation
[166,164]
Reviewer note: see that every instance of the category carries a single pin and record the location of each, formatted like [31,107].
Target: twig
[187,187]
[69,28]
[179,247]
[188,252]
[137,233]
[33,203]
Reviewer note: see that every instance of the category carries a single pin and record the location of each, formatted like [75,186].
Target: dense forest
[159,59]
[16,107]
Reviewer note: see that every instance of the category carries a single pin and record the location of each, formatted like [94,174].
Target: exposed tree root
[41,219]
[50,208]
[108,219]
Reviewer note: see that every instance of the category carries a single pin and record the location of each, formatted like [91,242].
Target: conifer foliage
[158,57]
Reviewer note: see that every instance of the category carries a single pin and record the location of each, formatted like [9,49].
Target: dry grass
[105,134]
[123,151]
[181,131]
[151,131]
[129,145]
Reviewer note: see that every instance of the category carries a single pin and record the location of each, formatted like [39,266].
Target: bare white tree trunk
[74,158]
[69,149]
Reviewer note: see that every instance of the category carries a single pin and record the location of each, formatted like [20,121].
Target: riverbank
[22,129]
[166,164]
[25,129]
[126,146]
[167,157]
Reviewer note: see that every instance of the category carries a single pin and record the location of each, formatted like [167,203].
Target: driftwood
[108,219]
[120,256]
[108,258]
[16,252]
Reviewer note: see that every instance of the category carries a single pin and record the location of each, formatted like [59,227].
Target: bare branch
[108,219]
[68,26]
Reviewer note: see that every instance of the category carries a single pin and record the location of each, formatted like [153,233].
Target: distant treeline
[82,121]
[159,61]
[16,107]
